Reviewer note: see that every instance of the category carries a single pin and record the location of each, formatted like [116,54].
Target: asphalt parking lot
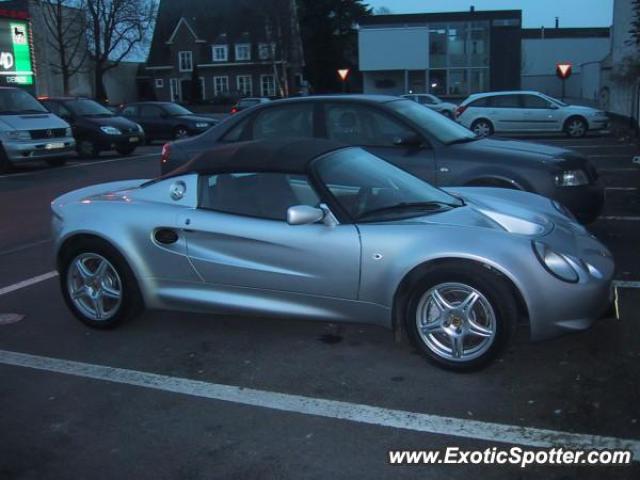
[190,396]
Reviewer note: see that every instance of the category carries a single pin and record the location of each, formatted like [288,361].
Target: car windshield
[174,109]
[370,189]
[16,102]
[555,100]
[84,107]
[443,129]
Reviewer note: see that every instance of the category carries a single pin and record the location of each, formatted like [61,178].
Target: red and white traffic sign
[564,70]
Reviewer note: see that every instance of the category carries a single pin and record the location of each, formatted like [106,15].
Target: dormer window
[243,52]
[220,53]
[266,51]
[185,61]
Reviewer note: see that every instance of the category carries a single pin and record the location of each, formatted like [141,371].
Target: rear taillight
[460,110]
[234,110]
[166,152]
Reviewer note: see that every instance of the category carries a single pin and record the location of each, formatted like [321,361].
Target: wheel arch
[402,292]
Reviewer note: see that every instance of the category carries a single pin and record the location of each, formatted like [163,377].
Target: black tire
[180,132]
[495,290]
[5,164]
[87,149]
[482,125]
[131,303]
[576,127]
[56,162]
[128,150]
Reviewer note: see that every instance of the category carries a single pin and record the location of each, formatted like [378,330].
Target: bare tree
[282,33]
[65,24]
[116,29]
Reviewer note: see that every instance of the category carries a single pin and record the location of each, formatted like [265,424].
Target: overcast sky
[535,13]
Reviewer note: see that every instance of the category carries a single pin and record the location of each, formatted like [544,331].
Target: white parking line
[626,284]
[353,412]
[26,246]
[89,163]
[28,282]
[620,218]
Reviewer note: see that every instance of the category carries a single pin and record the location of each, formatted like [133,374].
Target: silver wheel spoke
[479,330]
[79,293]
[457,346]
[98,308]
[468,303]
[110,293]
[431,327]
[102,269]
[82,269]
[440,301]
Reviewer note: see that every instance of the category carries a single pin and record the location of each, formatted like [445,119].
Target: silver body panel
[226,263]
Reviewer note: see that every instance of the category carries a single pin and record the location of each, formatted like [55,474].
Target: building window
[159,82]
[267,86]
[243,83]
[220,53]
[266,51]
[185,61]
[203,90]
[220,85]
[243,52]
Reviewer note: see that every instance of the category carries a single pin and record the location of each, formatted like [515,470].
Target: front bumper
[24,150]
[585,202]
[598,123]
[112,142]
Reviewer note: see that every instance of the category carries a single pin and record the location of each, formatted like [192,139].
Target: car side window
[150,111]
[361,125]
[285,121]
[236,133]
[505,101]
[533,101]
[260,195]
[130,111]
[480,103]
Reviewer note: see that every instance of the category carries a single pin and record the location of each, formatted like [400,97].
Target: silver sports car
[317,230]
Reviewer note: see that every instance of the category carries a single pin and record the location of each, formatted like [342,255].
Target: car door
[378,131]
[152,121]
[238,236]
[291,120]
[540,114]
[506,113]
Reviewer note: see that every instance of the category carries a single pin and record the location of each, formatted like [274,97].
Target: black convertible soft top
[282,156]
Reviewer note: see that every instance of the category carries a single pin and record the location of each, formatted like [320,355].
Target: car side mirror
[553,106]
[408,140]
[304,215]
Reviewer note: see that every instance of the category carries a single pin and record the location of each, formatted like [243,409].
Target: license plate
[134,139]
[53,146]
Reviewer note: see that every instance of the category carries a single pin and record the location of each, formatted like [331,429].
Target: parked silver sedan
[434,103]
[315,230]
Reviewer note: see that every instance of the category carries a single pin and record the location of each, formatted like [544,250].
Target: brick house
[232,46]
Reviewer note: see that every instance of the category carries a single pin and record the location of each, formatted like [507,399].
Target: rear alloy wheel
[98,286]
[460,318]
[180,132]
[87,149]
[482,128]
[576,127]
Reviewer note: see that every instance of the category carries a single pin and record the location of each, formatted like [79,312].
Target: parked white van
[28,131]
[527,111]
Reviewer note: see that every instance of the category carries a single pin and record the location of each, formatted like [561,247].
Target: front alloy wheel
[456,322]
[576,128]
[482,128]
[94,286]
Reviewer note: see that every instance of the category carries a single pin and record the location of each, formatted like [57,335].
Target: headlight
[68,132]
[17,135]
[111,130]
[555,263]
[563,210]
[202,125]
[572,178]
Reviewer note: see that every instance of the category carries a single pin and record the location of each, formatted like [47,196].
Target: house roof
[206,20]
[424,18]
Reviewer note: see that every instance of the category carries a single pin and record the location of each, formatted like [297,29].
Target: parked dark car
[95,128]
[420,141]
[166,120]
[248,102]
